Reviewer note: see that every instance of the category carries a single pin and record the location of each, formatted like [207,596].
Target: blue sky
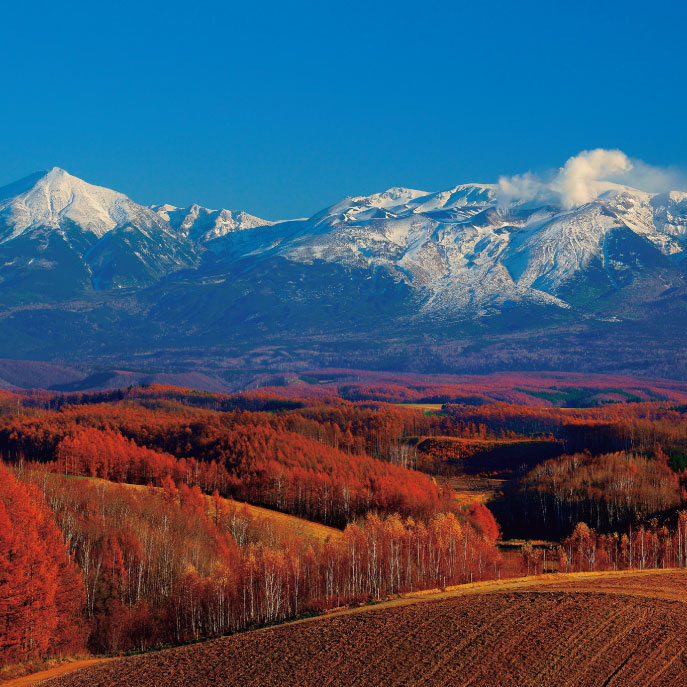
[284,108]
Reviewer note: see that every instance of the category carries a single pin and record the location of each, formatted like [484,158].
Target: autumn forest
[155,516]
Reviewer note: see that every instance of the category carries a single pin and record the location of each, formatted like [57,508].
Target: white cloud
[523,187]
[580,179]
[653,179]
[585,176]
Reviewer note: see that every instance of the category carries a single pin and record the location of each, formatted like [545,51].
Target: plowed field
[616,630]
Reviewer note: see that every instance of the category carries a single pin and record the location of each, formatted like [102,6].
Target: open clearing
[468,489]
[427,407]
[284,526]
[288,526]
[613,629]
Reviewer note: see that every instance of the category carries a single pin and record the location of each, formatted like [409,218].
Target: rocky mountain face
[162,277]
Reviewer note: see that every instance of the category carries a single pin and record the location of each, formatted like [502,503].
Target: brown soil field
[612,629]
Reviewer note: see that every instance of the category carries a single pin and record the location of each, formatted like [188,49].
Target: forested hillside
[134,513]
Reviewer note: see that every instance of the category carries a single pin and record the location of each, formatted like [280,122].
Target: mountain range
[417,279]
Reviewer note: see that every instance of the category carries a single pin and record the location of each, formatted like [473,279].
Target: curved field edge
[648,599]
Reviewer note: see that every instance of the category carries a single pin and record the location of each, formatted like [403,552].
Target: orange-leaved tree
[41,588]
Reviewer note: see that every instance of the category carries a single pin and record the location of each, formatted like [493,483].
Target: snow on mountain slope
[58,200]
[54,223]
[463,250]
[670,219]
[203,224]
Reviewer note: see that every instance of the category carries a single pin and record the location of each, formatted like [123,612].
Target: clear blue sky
[283,108]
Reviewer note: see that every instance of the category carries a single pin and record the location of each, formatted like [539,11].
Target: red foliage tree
[41,588]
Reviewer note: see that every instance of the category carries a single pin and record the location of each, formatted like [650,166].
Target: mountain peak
[56,173]
[55,199]
[56,176]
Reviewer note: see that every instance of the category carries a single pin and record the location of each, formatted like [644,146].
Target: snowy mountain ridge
[464,251]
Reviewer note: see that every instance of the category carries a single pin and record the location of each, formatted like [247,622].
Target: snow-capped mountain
[408,254]
[58,229]
[57,200]
[86,272]
[462,252]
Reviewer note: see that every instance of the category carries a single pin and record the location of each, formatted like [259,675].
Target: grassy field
[289,526]
[427,407]
[282,526]
[468,489]
[613,629]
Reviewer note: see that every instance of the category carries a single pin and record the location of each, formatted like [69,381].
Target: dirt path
[658,584]
[63,668]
